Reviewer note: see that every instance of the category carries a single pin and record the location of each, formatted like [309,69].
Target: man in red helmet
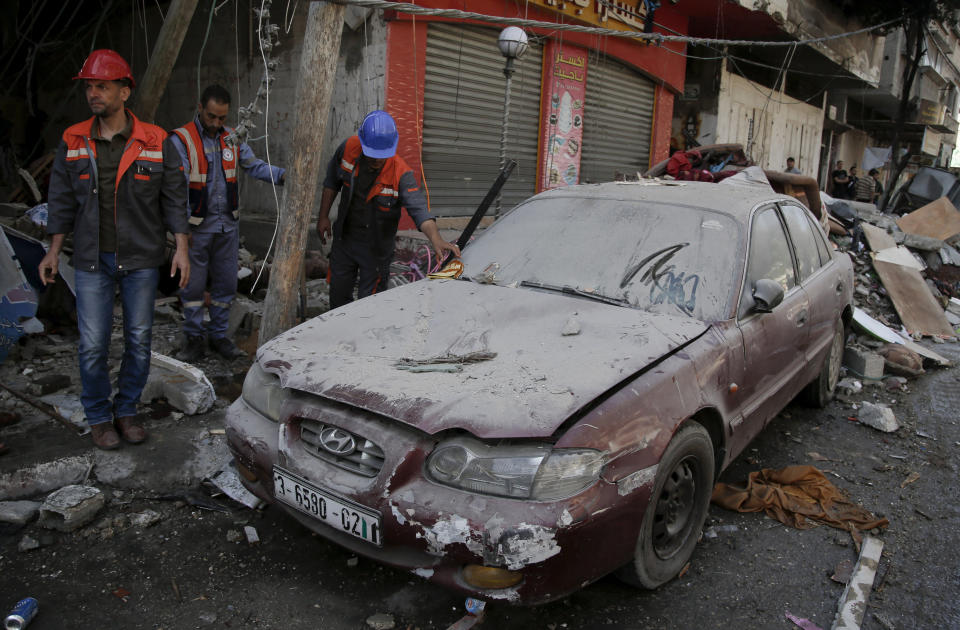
[376,183]
[117,186]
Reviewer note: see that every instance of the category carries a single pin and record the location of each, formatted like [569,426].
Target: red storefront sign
[563,93]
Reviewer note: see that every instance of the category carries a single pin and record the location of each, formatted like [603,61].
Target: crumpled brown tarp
[795,496]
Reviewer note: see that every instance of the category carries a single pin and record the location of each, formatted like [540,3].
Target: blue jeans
[95,295]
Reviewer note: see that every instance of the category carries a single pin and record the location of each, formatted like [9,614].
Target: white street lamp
[512,44]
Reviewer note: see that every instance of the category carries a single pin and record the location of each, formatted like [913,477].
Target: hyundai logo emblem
[337,441]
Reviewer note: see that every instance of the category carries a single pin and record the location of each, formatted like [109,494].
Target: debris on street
[853,602]
[184,386]
[18,513]
[229,483]
[71,507]
[879,417]
[798,496]
[800,622]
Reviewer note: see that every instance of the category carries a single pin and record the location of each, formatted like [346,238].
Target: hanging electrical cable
[655,38]
[269,38]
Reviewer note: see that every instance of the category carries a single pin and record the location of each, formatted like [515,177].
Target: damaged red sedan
[561,410]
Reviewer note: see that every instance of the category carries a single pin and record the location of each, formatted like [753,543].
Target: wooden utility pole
[163,57]
[318,69]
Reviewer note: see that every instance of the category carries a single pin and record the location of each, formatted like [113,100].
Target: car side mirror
[767,294]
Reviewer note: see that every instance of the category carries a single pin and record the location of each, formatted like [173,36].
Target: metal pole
[507,72]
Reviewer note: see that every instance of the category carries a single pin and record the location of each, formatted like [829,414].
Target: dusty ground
[188,571]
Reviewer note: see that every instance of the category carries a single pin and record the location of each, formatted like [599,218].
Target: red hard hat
[106,65]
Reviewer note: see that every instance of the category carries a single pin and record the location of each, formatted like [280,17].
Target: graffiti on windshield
[666,284]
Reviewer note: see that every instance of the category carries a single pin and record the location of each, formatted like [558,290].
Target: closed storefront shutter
[617,124]
[463,114]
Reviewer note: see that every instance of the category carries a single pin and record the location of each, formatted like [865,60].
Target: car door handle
[840,286]
[801,318]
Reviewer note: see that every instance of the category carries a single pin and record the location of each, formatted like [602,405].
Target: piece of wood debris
[853,602]
[910,479]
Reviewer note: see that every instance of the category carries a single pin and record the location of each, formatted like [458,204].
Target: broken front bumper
[437,532]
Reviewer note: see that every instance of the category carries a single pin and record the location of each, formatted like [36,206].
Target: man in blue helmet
[376,183]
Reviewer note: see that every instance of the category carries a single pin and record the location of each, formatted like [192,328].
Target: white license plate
[339,513]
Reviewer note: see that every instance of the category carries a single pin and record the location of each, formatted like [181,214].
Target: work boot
[225,348]
[131,429]
[193,350]
[105,436]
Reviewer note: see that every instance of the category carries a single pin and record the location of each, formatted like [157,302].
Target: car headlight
[534,471]
[262,391]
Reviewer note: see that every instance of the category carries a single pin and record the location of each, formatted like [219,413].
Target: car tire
[676,512]
[821,390]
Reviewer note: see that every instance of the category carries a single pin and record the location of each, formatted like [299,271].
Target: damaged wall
[778,125]
[862,55]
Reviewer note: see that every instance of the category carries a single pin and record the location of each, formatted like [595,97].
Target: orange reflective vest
[386,188]
[395,187]
[190,136]
[148,200]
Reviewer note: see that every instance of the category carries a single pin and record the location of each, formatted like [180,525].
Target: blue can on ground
[475,606]
[25,610]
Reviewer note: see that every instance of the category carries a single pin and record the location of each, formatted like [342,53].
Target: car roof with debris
[735,197]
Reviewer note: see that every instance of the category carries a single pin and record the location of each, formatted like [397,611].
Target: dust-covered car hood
[538,357]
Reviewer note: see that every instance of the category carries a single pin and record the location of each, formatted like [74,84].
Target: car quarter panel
[636,423]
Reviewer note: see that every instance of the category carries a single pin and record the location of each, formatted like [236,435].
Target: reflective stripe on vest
[387,182]
[192,140]
[77,154]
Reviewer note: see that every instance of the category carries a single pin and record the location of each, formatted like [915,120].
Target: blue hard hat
[378,135]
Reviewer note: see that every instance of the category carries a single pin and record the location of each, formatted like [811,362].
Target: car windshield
[666,258]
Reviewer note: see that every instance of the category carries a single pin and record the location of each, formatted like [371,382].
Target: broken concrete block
[251,533]
[879,417]
[850,386]
[50,383]
[184,386]
[18,512]
[381,621]
[925,243]
[144,519]
[70,407]
[865,364]
[71,507]
[242,312]
[28,543]
[41,478]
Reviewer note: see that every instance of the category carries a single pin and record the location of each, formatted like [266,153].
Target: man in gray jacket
[117,186]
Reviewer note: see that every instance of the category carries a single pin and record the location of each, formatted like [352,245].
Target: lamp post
[512,44]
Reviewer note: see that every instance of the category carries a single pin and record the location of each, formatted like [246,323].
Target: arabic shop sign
[561,109]
[930,113]
[616,14]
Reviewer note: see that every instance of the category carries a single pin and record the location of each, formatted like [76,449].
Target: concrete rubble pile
[922,302]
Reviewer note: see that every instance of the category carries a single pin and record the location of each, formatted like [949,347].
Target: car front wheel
[671,524]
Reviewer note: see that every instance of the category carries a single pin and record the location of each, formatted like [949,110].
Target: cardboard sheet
[938,219]
[916,306]
[899,255]
[877,238]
